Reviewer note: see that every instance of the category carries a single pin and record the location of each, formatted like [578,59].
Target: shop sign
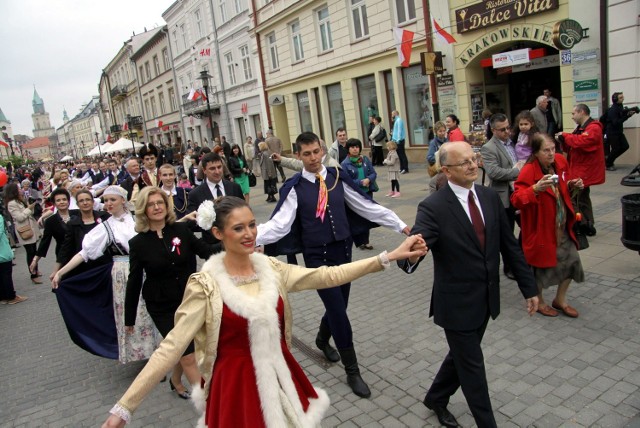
[587,96]
[508,59]
[538,63]
[445,80]
[476,88]
[276,100]
[566,57]
[588,55]
[495,12]
[567,33]
[585,85]
[432,63]
[519,32]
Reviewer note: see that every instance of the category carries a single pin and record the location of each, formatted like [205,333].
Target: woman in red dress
[237,312]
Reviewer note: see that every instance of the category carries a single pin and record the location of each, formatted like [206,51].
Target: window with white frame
[190,79]
[231,71]
[165,59]
[147,109]
[163,107]
[405,10]
[175,41]
[223,11]
[296,41]
[141,74]
[147,70]
[359,18]
[246,62]
[324,28]
[153,107]
[199,24]
[183,36]
[273,51]
[238,5]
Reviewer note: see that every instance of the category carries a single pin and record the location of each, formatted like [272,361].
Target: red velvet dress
[235,400]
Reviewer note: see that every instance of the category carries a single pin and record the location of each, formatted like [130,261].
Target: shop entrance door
[526,86]
[497,98]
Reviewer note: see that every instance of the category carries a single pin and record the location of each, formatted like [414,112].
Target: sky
[62,46]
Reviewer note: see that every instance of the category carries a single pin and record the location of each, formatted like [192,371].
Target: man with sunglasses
[501,166]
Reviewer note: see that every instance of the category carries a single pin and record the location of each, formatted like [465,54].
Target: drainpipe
[432,77]
[262,74]
[176,93]
[216,49]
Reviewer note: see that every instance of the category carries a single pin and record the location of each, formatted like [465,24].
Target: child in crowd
[393,164]
[184,181]
[523,129]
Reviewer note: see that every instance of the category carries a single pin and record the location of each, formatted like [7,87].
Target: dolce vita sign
[495,12]
[519,32]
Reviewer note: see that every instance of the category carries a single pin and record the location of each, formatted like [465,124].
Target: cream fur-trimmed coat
[199,317]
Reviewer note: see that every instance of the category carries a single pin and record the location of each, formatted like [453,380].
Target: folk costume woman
[112,236]
[238,312]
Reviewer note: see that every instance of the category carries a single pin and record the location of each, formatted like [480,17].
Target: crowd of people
[126,232]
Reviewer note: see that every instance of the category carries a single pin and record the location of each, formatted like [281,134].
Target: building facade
[331,64]
[213,36]
[85,129]
[7,135]
[157,90]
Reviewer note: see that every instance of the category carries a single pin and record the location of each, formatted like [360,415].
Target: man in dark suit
[465,223]
[214,186]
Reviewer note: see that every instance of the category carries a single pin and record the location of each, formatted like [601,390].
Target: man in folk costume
[319,210]
[149,155]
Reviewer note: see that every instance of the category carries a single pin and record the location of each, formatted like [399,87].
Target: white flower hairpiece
[206,215]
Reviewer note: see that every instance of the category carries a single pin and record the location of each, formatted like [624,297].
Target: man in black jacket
[616,140]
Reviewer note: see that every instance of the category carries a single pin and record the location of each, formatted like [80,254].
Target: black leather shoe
[444,416]
[184,394]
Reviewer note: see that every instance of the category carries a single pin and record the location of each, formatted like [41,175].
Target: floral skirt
[145,338]
[568,266]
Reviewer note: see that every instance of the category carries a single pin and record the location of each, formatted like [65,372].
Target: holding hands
[413,247]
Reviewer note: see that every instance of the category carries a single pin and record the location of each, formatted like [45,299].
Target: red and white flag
[159,123]
[443,34]
[3,143]
[125,127]
[404,41]
[202,95]
[192,95]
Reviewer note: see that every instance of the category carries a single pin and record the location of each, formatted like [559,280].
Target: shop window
[359,19]
[405,11]
[418,117]
[336,107]
[320,132]
[391,97]
[367,102]
[304,112]
[243,134]
[324,29]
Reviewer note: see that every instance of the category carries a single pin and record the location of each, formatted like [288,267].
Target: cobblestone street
[543,372]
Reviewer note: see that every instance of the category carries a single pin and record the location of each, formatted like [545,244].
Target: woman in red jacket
[453,132]
[547,217]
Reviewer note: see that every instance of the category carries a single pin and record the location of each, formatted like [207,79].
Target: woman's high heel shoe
[184,395]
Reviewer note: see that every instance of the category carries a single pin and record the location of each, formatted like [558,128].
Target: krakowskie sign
[495,12]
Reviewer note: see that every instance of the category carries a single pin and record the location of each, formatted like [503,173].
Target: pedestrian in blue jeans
[398,136]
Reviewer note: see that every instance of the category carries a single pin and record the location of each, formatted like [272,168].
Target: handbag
[382,135]
[252,179]
[25,232]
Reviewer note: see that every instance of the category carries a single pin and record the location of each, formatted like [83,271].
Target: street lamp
[130,133]
[98,143]
[204,76]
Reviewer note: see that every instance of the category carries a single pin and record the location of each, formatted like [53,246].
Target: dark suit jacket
[54,228]
[203,193]
[466,284]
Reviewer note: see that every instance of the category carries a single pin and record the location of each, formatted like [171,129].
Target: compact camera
[635,109]
[554,178]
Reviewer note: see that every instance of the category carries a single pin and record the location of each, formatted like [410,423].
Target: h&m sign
[495,12]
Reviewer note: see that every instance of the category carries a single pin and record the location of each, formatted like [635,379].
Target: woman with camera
[26,226]
[547,218]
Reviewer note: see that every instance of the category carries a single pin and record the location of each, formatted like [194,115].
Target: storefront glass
[319,131]
[418,117]
[391,99]
[336,107]
[304,112]
[368,104]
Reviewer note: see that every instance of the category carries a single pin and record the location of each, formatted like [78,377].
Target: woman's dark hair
[378,119]
[524,115]
[239,150]
[454,118]
[536,142]
[83,191]
[11,192]
[353,142]
[59,191]
[223,206]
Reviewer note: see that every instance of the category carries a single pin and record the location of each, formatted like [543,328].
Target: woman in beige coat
[22,214]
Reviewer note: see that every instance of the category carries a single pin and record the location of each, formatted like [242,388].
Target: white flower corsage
[176,245]
[206,215]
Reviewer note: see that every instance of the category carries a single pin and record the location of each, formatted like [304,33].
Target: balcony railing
[137,121]
[116,128]
[198,105]
[118,92]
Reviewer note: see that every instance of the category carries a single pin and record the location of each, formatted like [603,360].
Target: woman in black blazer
[77,227]
[55,227]
[166,252]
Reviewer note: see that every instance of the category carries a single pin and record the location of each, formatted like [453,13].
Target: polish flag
[443,34]
[3,143]
[125,127]
[159,123]
[202,95]
[404,40]
[192,95]
[109,138]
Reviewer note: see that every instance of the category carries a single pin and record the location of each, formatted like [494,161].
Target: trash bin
[631,221]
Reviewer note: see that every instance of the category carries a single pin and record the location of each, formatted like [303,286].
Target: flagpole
[426,10]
